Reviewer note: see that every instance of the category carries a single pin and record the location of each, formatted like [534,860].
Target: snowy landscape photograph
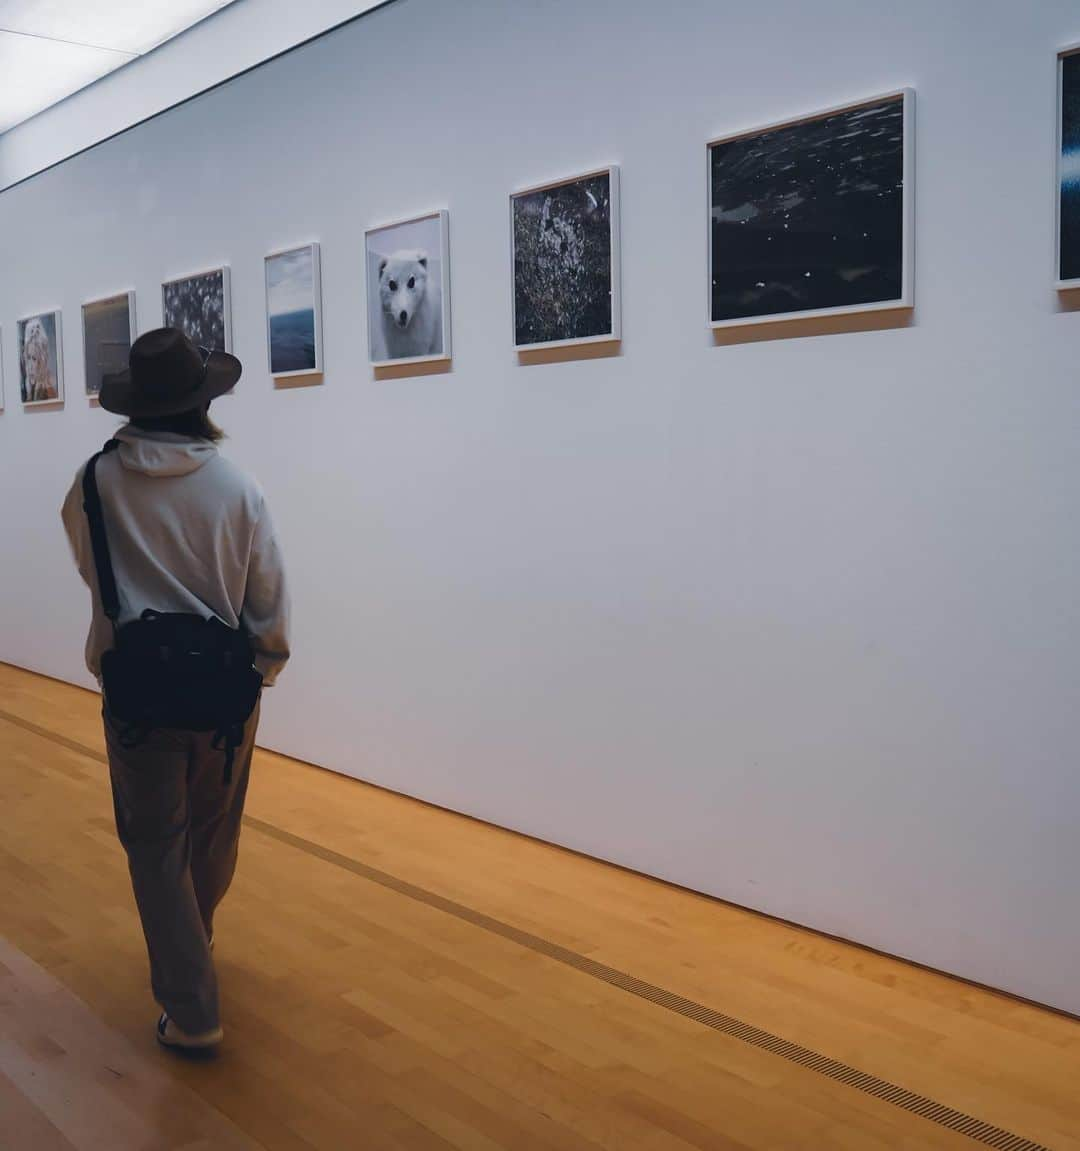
[199,307]
[810,216]
[565,261]
[292,311]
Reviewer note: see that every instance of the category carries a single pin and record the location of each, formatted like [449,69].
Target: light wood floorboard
[69,1083]
[358,1017]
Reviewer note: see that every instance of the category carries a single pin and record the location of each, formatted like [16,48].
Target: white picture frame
[905,298]
[57,346]
[224,272]
[613,332]
[312,295]
[1062,282]
[129,298]
[379,243]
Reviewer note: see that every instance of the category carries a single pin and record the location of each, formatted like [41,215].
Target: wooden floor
[398,977]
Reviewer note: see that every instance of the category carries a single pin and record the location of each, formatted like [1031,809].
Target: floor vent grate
[938,1113]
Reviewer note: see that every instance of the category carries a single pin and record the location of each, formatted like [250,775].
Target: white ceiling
[51,48]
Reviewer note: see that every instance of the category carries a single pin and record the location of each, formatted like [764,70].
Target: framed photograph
[564,243]
[199,306]
[408,290]
[41,359]
[294,312]
[814,216]
[108,333]
[1067,184]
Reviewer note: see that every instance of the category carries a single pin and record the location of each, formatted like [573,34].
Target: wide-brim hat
[166,375]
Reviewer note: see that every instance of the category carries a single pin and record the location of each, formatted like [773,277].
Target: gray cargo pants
[180,826]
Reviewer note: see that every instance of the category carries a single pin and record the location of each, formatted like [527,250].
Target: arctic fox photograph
[408,291]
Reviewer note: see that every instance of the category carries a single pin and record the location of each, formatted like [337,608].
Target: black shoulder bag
[170,670]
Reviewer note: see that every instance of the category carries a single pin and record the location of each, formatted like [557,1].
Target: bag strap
[110,597]
[228,739]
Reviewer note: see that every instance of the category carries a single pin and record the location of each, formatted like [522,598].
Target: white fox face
[403,279]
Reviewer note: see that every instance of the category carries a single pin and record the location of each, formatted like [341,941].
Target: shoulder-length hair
[196,424]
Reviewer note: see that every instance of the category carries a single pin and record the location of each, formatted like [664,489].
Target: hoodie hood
[162,453]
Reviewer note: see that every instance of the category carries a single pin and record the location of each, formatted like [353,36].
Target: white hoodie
[188,531]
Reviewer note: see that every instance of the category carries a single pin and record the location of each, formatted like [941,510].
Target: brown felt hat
[166,375]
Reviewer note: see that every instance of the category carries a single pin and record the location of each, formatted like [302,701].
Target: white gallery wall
[792,621]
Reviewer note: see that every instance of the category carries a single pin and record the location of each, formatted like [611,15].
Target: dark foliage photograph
[810,215]
[563,262]
[1069,268]
[196,305]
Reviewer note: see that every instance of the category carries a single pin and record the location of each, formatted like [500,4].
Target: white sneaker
[169,1035]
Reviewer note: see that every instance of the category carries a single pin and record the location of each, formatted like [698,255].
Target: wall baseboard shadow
[600,351]
[413,371]
[1068,300]
[309,380]
[796,329]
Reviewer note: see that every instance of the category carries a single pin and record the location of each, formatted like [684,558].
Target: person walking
[190,619]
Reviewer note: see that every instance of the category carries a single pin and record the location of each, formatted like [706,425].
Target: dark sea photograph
[809,216]
[1069,268]
[292,342]
[562,262]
